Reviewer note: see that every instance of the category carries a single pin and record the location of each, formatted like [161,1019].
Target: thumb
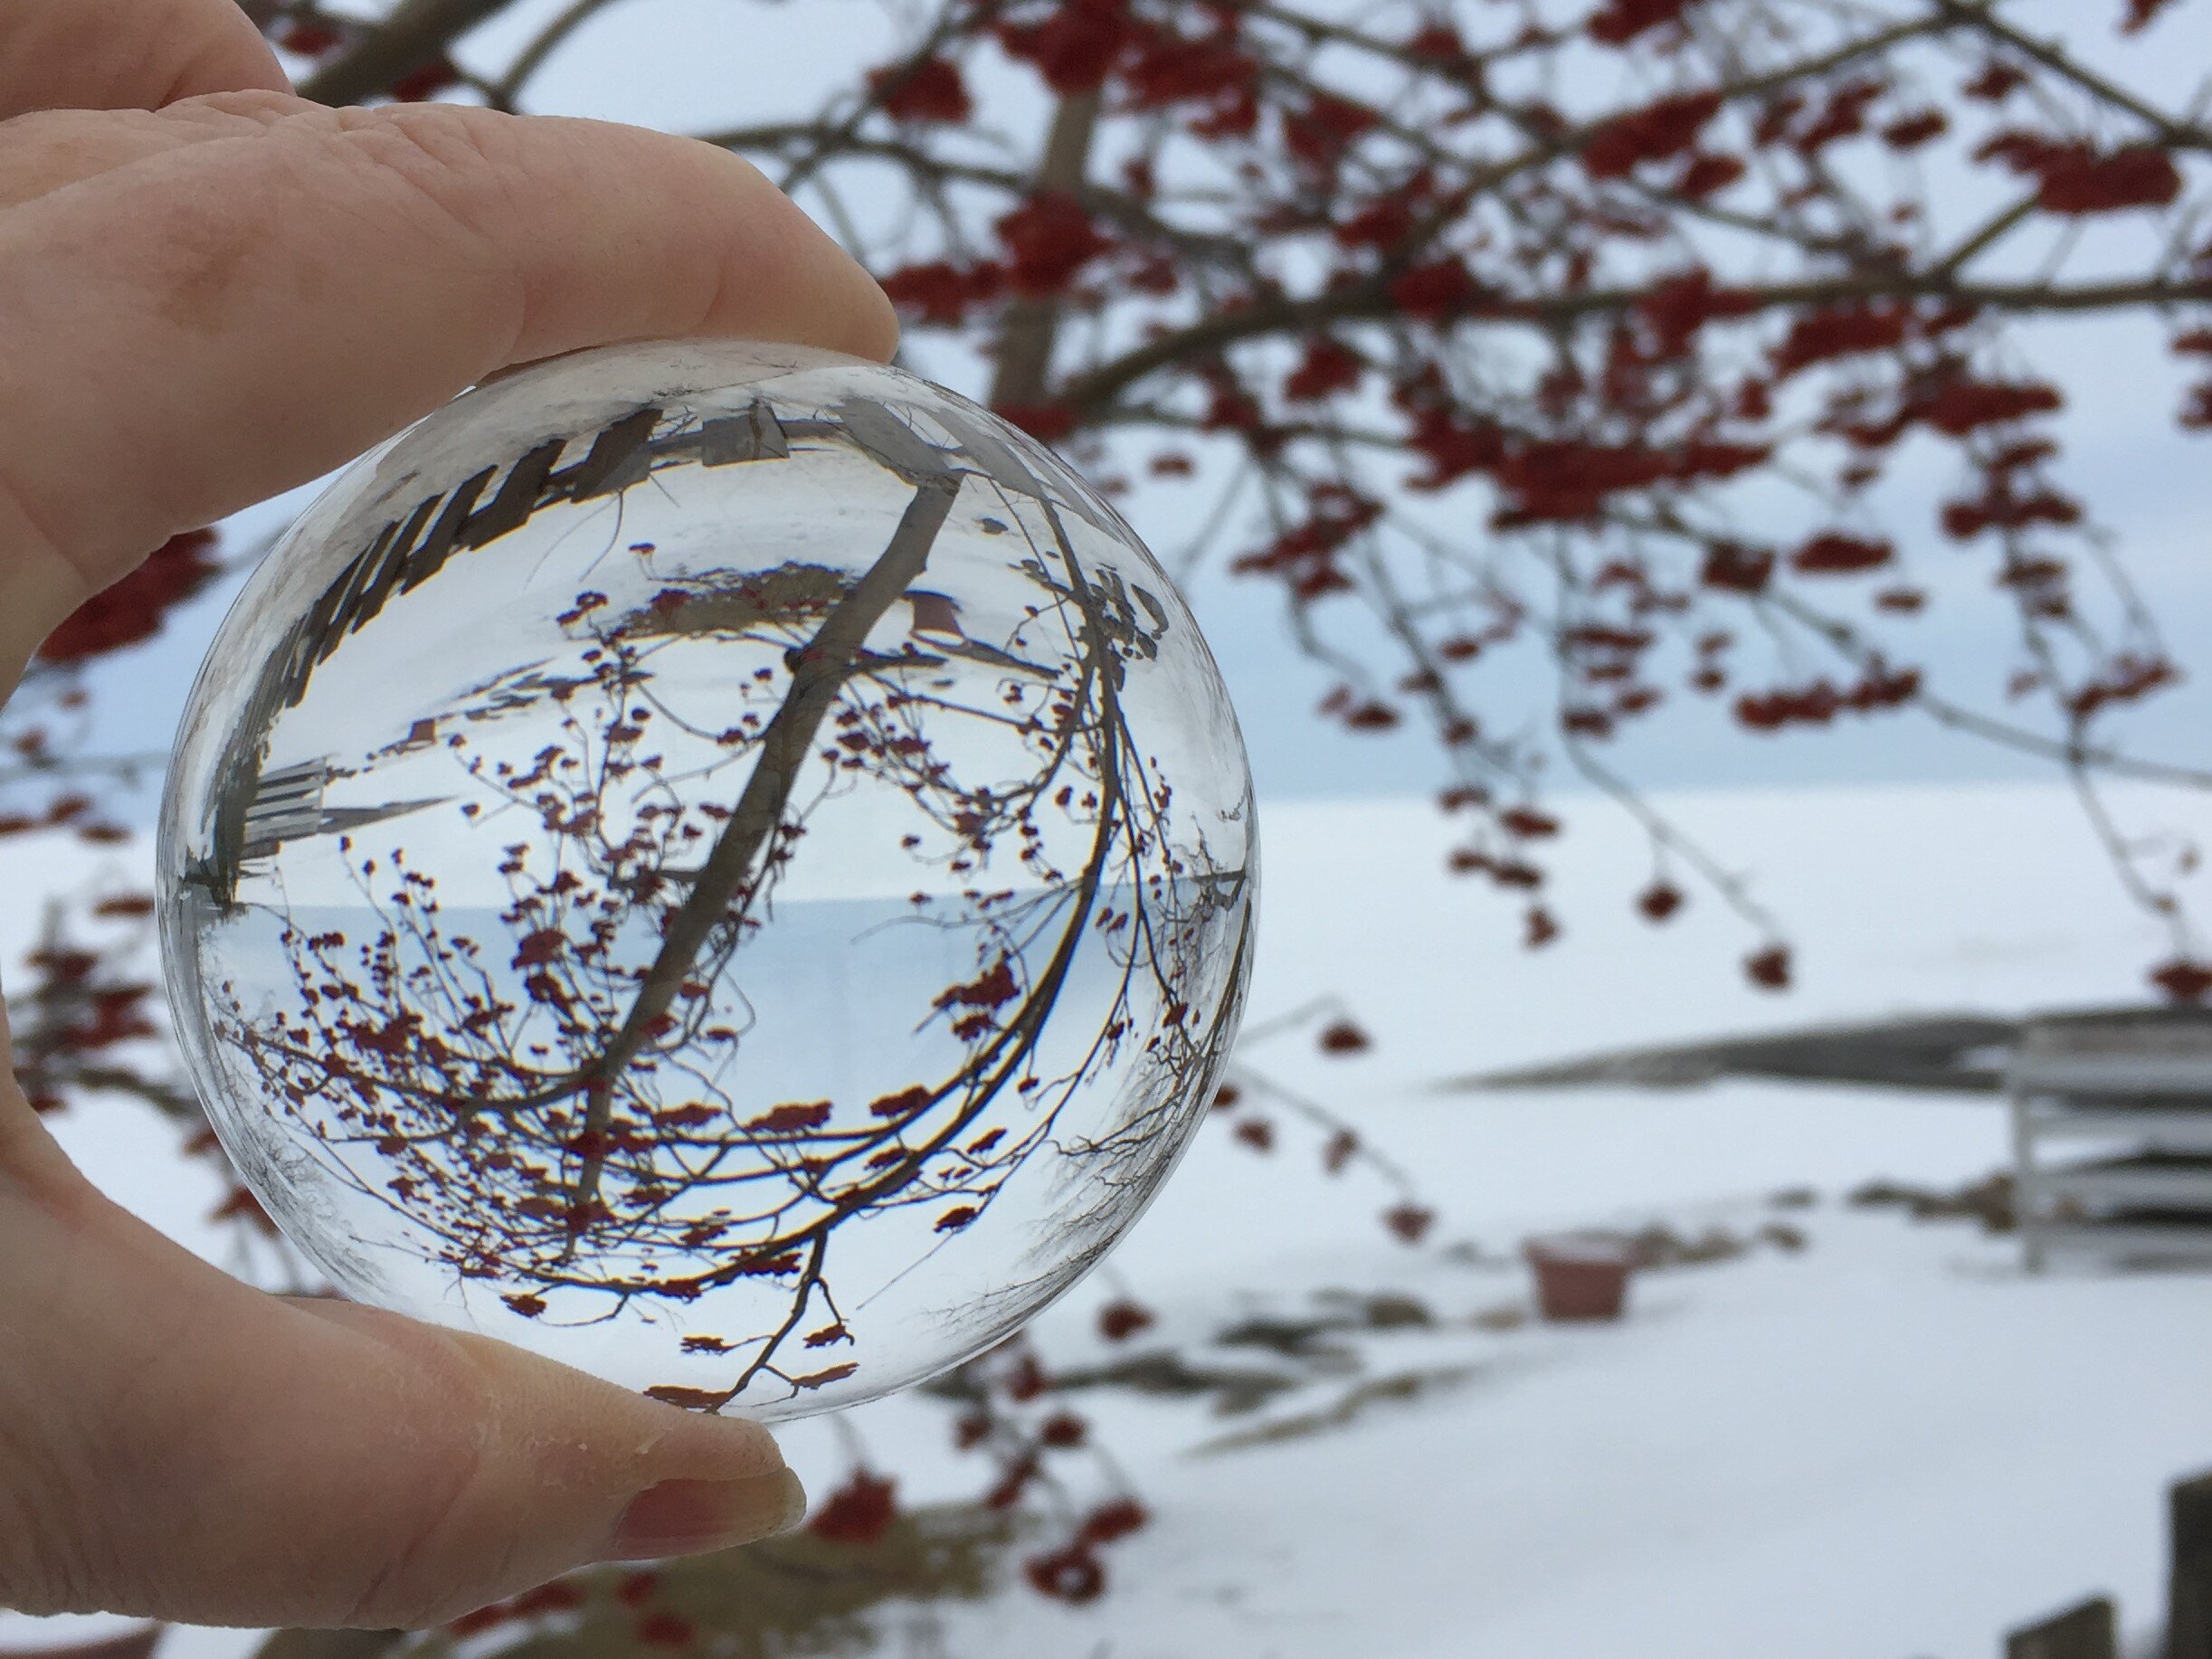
[177,1445]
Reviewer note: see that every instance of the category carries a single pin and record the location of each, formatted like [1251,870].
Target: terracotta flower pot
[1580,1276]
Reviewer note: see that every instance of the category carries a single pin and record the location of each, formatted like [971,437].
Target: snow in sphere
[728,866]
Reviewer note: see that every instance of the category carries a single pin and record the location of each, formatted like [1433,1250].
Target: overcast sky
[689,66]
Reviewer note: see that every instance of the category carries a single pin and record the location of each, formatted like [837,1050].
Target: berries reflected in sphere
[728,866]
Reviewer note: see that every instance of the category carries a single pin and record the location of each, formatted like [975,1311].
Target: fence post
[2188,1594]
[2084,1632]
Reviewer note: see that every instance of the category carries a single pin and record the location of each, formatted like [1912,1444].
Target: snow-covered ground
[1889,1443]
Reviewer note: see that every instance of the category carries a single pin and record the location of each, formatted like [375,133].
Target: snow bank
[1892,1443]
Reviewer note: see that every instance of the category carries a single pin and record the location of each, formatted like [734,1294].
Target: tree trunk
[417,31]
[1026,337]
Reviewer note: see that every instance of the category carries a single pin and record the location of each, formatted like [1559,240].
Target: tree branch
[1371,302]
[531,58]
[819,672]
[2181,135]
[416,31]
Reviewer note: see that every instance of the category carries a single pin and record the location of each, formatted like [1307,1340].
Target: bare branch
[1093,390]
[415,33]
[2171,130]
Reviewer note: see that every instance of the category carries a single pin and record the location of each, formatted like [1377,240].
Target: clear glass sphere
[724,865]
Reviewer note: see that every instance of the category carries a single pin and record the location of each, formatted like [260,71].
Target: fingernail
[691,1517]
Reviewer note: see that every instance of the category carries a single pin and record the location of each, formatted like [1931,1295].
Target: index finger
[198,329]
[127,54]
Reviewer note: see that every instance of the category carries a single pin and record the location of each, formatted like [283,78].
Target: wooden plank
[2112,1074]
[608,467]
[2141,1181]
[345,616]
[754,435]
[2167,1030]
[511,509]
[2188,1593]
[418,566]
[2129,1240]
[2083,1632]
[2153,1128]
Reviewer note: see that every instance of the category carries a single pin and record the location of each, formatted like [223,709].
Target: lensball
[724,865]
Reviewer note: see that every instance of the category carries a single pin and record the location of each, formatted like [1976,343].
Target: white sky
[691,67]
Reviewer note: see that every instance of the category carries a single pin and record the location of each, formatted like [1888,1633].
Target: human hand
[213,291]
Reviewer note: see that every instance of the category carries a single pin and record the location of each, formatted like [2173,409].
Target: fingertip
[128,54]
[785,278]
[883,324]
[703,1443]
[874,321]
[683,1516]
[233,58]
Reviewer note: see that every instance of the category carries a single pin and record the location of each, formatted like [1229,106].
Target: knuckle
[462,188]
[443,1540]
[443,154]
[53,1558]
[258,105]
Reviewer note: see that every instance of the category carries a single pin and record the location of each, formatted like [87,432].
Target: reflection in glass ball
[728,866]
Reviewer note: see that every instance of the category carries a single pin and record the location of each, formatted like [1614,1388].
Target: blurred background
[1698,504]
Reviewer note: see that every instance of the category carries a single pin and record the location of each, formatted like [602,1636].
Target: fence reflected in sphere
[728,866]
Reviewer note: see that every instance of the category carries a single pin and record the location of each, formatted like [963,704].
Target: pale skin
[212,291]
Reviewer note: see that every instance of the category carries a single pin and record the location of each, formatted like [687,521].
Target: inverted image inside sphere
[726,865]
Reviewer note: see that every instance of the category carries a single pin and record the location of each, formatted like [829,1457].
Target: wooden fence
[2089,1630]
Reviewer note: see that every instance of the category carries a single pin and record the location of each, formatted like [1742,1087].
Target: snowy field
[1888,1445]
